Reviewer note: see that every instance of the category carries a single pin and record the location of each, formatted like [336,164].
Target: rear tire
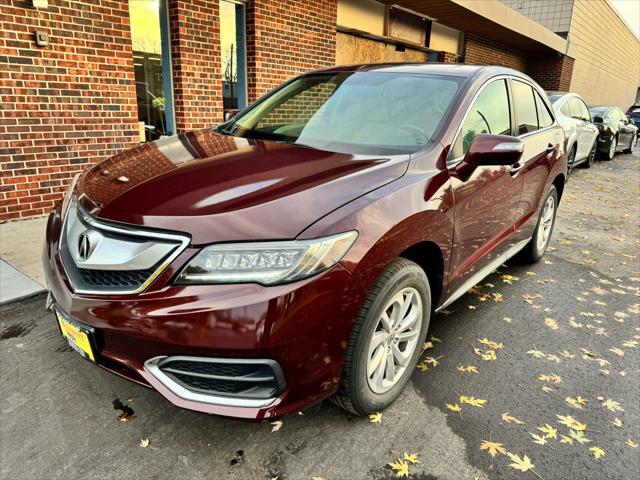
[632,144]
[537,246]
[571,160]
[592,155]
[609,154]
[363,389]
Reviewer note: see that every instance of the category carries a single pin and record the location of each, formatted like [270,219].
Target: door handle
[550,148]
[515,168]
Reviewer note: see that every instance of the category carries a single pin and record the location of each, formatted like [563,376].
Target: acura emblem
[84,246]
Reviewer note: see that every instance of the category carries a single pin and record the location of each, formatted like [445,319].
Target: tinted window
[544,117]
[578,108]
[598,112]
[488,114]
[584,111]
[525,107]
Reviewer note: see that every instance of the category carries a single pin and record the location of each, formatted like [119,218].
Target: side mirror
[632,121]
[488,150]
[598,119]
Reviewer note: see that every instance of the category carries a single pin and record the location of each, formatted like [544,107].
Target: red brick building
[82,80]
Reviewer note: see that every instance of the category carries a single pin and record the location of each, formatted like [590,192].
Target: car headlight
[267,263]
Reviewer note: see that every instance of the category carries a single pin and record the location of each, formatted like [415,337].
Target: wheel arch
[559,183]
[428,256]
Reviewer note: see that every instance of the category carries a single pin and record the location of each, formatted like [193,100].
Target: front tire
[590,158]
[609,154]
[386,340]
[537,246]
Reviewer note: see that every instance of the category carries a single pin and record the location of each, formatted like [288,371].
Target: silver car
[579,131]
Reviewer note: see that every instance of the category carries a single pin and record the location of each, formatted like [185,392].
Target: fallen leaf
[401,468]
[455,407]
[476,402]
[509,279]
[550,378]
[539,439]
[578,436]
[617,422]
[126,417]
[468,369]
[549,431]
[523,464]
[432,361]
[493,448]
[510,419]
[536,353]
[617,351]
[411,457]
[597,452]
[612,405]
[571,422]
[423,367]
[576,402]
[565,439]
[551,323]
[491,344]
[277,425]
[631,443]
[144,443]
[375,417]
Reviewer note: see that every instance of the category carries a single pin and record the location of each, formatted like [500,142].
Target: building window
[407,26]
[152,65]
[232,46]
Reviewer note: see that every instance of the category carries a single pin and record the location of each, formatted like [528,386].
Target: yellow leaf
[432,361]
[468,369]
[434,339]
[401,468]
[550,378]
[510,419]
[631,443]
[427,346]
[551,323]
[493,448]
[476,402]
[540,440]
[491,344]
[617,351]
[612,405]
[508,279]
[571,422]
[489,356]
[144,443]
[630,343]
[597,452]
[423,367]
[536,353]
[523,464]
[411,457]
[567,440]
[375,417]
[455,407]
[277,425]
[578,436]
[617,422]
[576,402]
[547,389]
[549,431]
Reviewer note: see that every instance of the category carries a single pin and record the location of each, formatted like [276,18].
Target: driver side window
[489,113]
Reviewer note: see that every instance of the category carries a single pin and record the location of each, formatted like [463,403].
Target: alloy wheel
[634,140]
[394,340]
[546,223]
[612,148]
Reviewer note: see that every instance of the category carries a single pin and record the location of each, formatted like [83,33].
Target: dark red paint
[218,188]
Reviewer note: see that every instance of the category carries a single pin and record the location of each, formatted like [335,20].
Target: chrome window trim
[452,162]
[152,367]
[132,231]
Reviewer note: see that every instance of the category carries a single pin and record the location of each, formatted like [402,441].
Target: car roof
[433,68]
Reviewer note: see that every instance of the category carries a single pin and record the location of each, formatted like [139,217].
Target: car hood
[222,188]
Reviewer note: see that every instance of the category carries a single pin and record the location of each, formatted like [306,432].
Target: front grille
[252,379]
[129,279]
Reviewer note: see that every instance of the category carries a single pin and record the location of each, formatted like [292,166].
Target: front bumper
[303,327]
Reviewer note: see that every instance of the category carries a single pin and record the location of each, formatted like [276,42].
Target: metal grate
[259,380]
[113,278]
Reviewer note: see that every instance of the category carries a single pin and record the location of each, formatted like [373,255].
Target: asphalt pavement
[541,361]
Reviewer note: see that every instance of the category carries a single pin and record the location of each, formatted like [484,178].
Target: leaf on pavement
[491,344]
[523,464]
[572,423]
[576,402]
[454,408]
[617,351]
[549,431]
[468,369]
[400,468]
[565,439]
[277,425]
[578,436]
[493,448]
[631,443]
[597,452]
[423,367]
[144,442]
[536,353]
[411,457]
[617,422]
[509,279]
[510,419]
[375,417]
[551,323]
[550,378]
[476,402]
[539,439]
[612,405]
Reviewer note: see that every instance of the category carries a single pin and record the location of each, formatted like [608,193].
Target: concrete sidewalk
[21,272]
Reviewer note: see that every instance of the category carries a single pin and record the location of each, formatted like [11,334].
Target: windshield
[358,113]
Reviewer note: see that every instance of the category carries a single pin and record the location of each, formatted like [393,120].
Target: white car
[579,131]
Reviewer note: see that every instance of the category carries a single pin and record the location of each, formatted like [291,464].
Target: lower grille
[114,278]
[245,380]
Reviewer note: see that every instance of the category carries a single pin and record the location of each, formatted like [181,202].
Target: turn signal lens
[267,263]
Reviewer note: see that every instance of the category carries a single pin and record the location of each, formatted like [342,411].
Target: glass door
[152,65]
[232,46]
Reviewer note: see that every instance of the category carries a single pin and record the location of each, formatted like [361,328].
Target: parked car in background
[617,131]
[580,132]
[634,114]
[298,250]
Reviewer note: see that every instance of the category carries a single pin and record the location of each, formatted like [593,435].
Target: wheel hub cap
[546,223]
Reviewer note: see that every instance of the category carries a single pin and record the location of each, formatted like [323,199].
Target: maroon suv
[298,250]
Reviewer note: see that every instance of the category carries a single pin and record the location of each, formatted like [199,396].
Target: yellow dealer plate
[79,338]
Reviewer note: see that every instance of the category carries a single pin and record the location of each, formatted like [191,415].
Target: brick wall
[285,38]
[197,71]
[447,57]
[480,51]
[552,72]
[63,106]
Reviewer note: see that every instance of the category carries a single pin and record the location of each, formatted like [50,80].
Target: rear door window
[525,107]
[489,113]
[544,116]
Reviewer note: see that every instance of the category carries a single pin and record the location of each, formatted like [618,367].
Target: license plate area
[80,337]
